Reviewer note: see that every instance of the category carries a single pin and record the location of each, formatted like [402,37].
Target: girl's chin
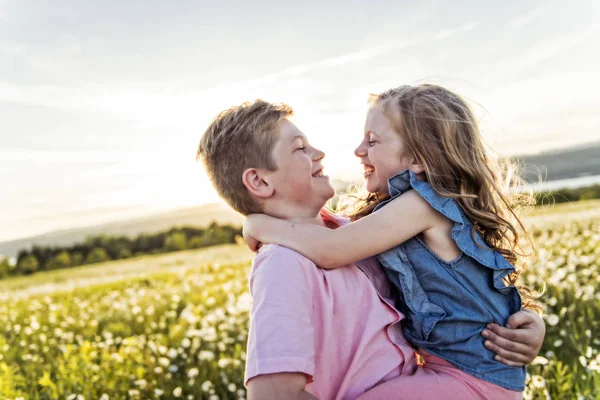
[371,187]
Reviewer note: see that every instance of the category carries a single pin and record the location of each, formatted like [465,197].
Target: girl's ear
[416,167]
[253,181]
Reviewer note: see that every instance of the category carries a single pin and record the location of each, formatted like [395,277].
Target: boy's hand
[248,230]
[520,342]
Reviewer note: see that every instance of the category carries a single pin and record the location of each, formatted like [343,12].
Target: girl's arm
[400,220]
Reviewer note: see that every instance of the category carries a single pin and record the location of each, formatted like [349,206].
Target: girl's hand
[249,230]
[520,342]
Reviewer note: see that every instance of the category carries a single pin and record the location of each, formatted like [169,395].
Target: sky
[103,103]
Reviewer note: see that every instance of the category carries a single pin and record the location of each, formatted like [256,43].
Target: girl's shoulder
[463,232]
[407,180]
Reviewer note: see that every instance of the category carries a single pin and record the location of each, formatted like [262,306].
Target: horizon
[102,115]
[546,185]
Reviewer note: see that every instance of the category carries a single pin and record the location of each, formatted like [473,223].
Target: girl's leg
[438,380]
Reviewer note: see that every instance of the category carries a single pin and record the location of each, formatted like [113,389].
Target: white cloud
[447,33]
[526,18]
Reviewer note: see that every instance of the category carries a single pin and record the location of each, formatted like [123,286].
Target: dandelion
[206,386]
[172,353]
[192,373]
[141,383]
[223,362]
[538,381]
[206,355]
[539,360]
[34,324]
[104,397]
[177,391]
[164,361]
[558,343]
[553,319]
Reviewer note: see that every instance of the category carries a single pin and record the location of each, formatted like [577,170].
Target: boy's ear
[256,185]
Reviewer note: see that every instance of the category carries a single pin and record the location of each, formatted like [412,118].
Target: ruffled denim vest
[448,304]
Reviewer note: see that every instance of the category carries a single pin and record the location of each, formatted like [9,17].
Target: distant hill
[574,162]
[195,216]
[567,163]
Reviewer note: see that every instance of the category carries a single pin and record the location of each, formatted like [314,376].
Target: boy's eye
[371,142]
[302,148]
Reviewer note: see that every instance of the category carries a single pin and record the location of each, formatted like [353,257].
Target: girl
[444,228]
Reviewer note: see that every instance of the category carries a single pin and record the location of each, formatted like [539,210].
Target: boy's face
[299,178]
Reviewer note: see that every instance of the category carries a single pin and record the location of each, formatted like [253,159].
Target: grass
[175,325]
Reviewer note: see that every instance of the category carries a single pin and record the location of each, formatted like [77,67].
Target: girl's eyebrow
[371,132]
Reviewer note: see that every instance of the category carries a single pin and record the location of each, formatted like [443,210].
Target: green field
[175,325]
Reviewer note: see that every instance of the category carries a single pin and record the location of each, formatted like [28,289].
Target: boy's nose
[318,155]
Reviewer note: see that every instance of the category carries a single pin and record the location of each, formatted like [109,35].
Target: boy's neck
[316,220]
[305,215]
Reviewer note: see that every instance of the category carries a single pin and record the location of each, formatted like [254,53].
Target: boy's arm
[520,342]
[281,344]
[403,218]
[279,386]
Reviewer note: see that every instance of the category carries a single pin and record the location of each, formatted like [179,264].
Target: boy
[313,333]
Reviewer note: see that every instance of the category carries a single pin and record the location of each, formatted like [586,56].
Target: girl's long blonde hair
[440,129]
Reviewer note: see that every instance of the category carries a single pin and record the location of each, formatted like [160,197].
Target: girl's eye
[301,148]
[371,142]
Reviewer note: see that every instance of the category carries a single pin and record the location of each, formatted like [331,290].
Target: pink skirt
[437,379]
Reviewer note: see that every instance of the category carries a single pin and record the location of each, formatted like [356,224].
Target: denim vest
[448,304]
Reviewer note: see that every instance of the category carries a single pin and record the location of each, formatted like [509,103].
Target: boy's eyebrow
[298,137]
[373,132]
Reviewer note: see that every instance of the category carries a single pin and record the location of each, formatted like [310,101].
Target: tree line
[569,195]
[102,248]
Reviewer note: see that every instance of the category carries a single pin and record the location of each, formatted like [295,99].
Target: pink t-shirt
[332,325]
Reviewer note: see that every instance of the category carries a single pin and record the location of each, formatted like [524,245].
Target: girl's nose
[361,150]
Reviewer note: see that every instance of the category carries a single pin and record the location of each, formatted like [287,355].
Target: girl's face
[382,152]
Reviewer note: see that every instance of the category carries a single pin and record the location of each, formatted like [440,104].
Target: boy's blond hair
[239,138]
